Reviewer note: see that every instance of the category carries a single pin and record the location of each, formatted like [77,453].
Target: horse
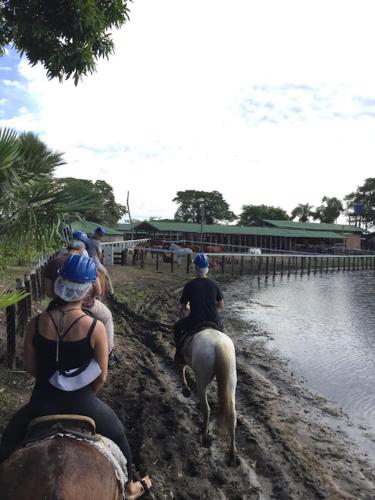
[103,278]
[58,468]
[179,252]
[211,353]
[254,251]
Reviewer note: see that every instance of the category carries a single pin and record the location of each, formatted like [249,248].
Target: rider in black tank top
[72,353]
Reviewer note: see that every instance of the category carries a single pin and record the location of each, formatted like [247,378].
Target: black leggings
[52,401]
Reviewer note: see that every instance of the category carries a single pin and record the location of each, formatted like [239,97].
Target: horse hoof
[207,441]
[233,461]
[186,392]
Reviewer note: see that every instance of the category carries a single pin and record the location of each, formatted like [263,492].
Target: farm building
[272,235]
[89,227]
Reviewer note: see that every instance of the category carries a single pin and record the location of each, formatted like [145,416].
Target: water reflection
[324,325]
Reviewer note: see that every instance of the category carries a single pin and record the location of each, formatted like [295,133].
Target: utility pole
[201,206]
[130,217]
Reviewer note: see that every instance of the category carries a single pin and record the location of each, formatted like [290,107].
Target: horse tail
[225,372]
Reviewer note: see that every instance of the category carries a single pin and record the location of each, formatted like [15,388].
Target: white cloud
[265,101]
[14,83]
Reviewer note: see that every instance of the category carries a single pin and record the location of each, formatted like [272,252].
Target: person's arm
[219,299]
[29,355]
[184,310]
[100,345]
[184,302]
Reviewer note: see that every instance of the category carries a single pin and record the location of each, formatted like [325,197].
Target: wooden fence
[265,265]
[261,266]
[18,315]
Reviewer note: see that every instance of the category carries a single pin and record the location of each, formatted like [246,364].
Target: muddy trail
[290,444]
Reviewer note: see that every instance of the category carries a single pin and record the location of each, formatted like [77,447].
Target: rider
[90,302]
[202,297]
[79,240]
[95,250]
[59,341]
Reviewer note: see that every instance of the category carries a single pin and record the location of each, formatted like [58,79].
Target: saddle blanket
[110,450]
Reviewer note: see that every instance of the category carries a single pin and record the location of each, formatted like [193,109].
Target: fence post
[188,262]
[172,262]
[42,280]
[34,286]
[22,309]
[157,261]
[124,257]
[232,265]
[11,336]
[29,298]
[38,283]
[241,266]
[142,259]
[222,264]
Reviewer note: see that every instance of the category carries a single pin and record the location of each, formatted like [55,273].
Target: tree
[106,210]
[303,211]
[33,207]
[193,205]
[364,194]
[329,211]
[254,214]
[66,37]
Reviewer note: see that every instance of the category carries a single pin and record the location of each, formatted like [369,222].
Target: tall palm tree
[303,211]
[33,206]
[329,210]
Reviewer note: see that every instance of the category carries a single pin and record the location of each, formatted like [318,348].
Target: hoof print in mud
[207,441]
[233,461]
[186,392]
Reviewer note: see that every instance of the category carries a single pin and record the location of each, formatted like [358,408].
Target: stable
[269,235]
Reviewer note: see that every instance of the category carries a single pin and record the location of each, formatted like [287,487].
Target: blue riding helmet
[201,260]
[81,236]
[100,230]
[79,269]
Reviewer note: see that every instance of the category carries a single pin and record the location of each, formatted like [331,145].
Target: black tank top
[72,354]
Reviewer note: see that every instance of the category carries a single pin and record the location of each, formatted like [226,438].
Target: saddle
[48,426]
[187,335]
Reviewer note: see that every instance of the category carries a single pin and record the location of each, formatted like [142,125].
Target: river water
[324,325]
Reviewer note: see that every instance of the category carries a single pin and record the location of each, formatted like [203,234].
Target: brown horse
[56,469]
[103,278]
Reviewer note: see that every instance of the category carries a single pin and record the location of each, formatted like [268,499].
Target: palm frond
[10,298]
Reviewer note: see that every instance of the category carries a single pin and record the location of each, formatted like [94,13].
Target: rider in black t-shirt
[202,297]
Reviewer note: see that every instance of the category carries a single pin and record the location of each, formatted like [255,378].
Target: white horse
[254,251]
[211,353]
[179,251]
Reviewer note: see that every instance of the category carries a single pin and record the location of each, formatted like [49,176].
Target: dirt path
[290,442]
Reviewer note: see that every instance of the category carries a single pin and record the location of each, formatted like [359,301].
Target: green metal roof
[122,226]
[314,226]
[89,227]
[181,227]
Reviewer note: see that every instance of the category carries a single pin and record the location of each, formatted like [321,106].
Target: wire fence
[17,315]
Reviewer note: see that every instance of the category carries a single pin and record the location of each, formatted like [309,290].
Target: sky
[266,101]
